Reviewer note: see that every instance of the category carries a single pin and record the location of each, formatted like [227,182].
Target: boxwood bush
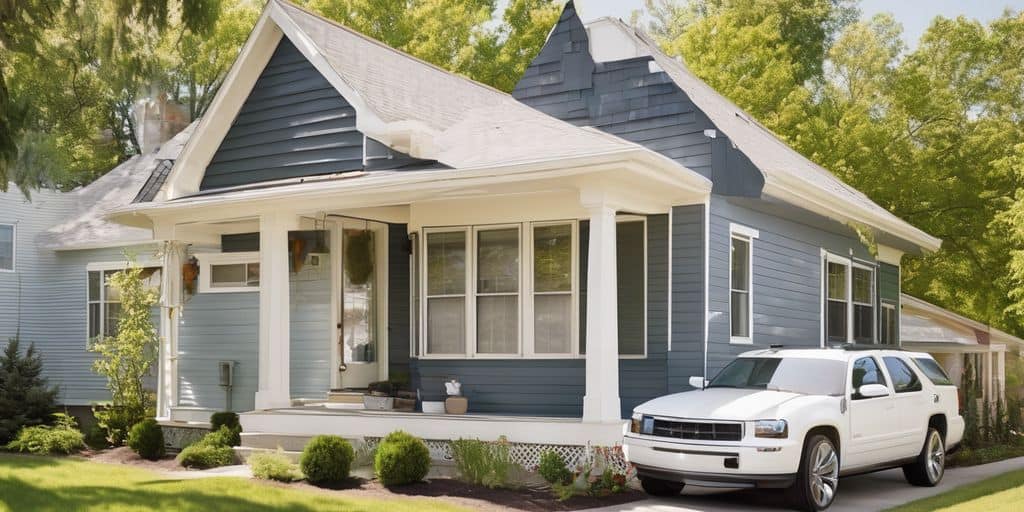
[213,450]
[401,459]
[225,419]
[146,438]
[326,460]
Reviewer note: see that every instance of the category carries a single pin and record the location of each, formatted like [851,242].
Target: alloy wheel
[936,457]
[824,477]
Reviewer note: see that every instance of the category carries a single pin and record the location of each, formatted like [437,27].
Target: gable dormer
[293,124]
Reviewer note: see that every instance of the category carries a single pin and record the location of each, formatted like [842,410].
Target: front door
[359,327]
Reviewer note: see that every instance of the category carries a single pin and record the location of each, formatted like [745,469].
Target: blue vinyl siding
[311,340]
[687,355]
[398,302]
[786,281]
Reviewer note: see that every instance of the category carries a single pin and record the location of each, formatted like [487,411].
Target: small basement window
[229,272]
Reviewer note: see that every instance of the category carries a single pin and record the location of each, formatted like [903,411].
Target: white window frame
[14,248]
[209,259]
[746,234]
[467,294]
[529,339]
[109,266]
[850,264]
[474,293]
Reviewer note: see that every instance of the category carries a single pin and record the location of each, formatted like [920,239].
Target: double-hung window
[553,257]
[740,283]
[446,272]
[7,247]
[103,301]
[849,301]
[889,325]
[497,290]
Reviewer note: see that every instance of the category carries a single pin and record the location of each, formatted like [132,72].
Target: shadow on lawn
[20,494]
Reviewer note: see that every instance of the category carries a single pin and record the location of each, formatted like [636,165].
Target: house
[346,214]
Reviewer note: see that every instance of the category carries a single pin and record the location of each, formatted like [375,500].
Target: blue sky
[914,15]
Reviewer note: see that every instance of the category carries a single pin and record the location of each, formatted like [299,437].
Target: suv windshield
[794,374]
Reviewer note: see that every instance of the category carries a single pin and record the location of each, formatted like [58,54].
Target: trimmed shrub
[273,466]
[96,438]
[401,459]
[326,460]
[552,468]
[205,456]
[213,450]
[147,439]
[481,463]
[225,419]
[62,438]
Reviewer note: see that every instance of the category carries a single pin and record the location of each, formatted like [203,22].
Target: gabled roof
[788,175]
[409,105]
[87,227]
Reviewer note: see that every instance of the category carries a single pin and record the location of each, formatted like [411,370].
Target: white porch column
[1001,374]
[274,343]
[601,402]
[170,311]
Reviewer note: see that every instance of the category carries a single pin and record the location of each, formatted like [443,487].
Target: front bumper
[771,465]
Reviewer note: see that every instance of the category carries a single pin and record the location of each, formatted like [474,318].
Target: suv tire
[659,487]
[818,477]
[930,465]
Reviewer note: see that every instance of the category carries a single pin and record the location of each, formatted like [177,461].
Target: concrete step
[270,441]
[345,397]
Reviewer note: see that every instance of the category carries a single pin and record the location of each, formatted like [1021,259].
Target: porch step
[269,441]
[345,397]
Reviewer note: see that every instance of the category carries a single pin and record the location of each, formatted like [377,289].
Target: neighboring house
[345,213]
[958,343]
[55,251]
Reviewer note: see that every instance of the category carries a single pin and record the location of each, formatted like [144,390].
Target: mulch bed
[527,499]
[125,455]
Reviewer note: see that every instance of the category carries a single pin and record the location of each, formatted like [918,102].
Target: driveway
[864,493]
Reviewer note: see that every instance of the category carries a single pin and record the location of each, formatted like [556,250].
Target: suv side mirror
[872,391]
[698,382]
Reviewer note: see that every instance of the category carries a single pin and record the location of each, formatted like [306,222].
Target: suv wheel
[930,465]
[658,487]
[818,477]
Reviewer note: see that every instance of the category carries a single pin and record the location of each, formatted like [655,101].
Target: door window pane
[904,380]
[359,295]
[446,263]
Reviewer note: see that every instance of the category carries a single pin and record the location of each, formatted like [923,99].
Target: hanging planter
[359,256]
[189,275]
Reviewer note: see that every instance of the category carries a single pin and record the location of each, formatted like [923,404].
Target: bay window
[849,301]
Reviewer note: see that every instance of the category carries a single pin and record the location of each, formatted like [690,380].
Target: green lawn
[997,494]
[66,485]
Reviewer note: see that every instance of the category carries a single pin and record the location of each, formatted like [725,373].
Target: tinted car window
[866,371]
[903,378]
[797,375]
[933,370]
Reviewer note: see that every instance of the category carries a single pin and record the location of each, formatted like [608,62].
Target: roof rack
[866,346]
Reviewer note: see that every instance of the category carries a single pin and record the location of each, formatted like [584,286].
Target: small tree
[125,358]
[26,399]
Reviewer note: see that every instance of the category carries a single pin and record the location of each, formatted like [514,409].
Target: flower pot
[456,405]
[378,403]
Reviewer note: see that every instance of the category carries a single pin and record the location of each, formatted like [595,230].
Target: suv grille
[698,430]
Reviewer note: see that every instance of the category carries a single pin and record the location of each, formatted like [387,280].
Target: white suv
[799,418]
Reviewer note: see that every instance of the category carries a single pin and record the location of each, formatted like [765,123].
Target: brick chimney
[157,119]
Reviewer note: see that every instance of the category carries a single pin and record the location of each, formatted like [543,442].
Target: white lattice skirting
[528,455]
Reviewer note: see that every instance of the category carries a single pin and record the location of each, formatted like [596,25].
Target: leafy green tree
[26,399]
[125,359]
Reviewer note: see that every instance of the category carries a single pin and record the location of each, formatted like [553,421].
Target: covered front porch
[537,292]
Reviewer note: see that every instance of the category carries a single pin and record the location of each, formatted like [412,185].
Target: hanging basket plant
[359,256]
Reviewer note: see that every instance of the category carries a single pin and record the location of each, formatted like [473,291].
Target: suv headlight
[634,423]
[777,429]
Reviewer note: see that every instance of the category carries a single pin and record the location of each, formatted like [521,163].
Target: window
[229,272]
[739,285]
[497,290]
[865,371]
[103,302]
[904,380]
[7,247]
[552,288]
[446,292]
[890,326]
[863,305]
[933,370]
[849,301]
